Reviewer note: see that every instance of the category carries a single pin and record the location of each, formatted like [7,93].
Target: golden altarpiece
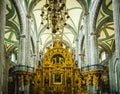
[58,73]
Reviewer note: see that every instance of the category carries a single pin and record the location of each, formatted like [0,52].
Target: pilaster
[2,33]
[38,57]
[93,14]
[77,51]
[28,40]
[116,18]
[87,51]
[22,36]
[22,48]
[93,49]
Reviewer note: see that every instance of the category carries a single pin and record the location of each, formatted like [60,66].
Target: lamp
[54,14]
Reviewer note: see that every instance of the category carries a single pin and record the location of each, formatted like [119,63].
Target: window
[13,58]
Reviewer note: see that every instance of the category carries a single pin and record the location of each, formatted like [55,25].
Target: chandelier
[54,14]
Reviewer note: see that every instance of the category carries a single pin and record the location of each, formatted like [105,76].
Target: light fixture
[54,14]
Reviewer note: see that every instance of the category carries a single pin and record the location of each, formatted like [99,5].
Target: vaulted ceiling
[71,29]
[104,25]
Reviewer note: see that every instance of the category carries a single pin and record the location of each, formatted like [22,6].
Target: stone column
[38,57]
[87,51]
[24,78]
[93,49]
[77,51]
[116,18]
[80,49]
[2,32]
[28,41]
[27,84]
[93,14]
[33,60]
[21,53]
[93,43]
[22,45]
[93,40]
[5,76]
[93,56]
[22,40]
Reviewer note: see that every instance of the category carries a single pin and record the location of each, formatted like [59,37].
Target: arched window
[13,58]
[103,56]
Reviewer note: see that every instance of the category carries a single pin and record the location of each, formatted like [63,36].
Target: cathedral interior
[59,47]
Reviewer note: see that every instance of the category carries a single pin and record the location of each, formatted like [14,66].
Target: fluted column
[93,39]
[2,32]
[77,51]
[22,45]
[28,41]
[116,18]
[93,43]
[37,58]
[33,60]
[22,39]
[93,14]
[87,50]
[93,49]
[27,84]
[80,59]
[93,56]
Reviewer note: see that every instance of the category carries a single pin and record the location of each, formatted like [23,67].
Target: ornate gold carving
[89,80]
[95,80]
[58,72]
[92,77]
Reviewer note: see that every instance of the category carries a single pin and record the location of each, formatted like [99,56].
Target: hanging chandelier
[54,14]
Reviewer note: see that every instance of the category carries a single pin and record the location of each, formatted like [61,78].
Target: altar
[57,74]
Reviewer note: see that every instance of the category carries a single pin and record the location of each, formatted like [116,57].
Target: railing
[22,68]
[93,67]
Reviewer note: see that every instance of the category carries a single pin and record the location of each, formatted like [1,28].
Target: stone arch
[21,15]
